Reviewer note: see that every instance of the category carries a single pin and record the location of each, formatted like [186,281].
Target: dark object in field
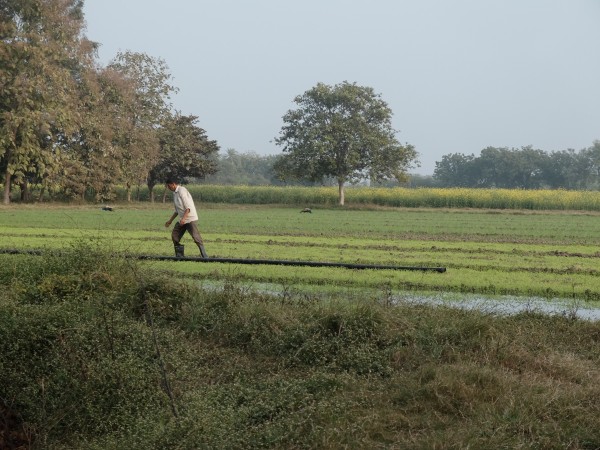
[107,208]
[308,210]
[279,262]
[249,261]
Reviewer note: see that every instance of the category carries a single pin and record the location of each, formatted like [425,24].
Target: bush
[77,355]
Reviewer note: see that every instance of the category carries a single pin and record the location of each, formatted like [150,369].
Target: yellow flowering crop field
[544,200]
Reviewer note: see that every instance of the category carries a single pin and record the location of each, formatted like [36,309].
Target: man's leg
[192,228]
[176,235]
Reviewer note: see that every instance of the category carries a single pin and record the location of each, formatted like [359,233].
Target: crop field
[538,200]
[550,254]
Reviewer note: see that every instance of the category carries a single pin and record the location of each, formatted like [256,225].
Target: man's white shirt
[183,200]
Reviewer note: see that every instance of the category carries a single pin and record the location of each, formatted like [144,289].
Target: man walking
[188,218]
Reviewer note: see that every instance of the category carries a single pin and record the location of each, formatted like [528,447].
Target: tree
[591,159]
[342,131]
[185,151]
[455,169]
[92,156]
[149,110]
[558,169]
[528,173]
[41,48]
[244,168]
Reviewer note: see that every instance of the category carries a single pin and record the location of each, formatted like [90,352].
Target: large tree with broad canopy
[42,54]
[343,132]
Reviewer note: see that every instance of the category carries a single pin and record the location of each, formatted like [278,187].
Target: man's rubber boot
[202,251]
[179,253]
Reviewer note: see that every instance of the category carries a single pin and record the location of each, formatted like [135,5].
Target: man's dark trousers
[192,228]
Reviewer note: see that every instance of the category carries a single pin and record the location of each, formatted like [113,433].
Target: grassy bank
[98,352]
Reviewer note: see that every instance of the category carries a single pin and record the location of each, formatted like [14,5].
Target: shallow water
[496,305]
[506,305]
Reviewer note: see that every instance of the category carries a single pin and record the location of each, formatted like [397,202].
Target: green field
[492,252]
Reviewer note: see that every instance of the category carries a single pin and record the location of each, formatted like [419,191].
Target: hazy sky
[459,75]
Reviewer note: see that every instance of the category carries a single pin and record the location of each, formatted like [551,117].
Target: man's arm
[168,222]
[184,218]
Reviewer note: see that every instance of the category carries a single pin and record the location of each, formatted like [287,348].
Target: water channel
[493,305]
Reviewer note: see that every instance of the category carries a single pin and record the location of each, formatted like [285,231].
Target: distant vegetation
[423,197]
[524,168]
[391,197]
[252,169]
[403,197]
[503,168]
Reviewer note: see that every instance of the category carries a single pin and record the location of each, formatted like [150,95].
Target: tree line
[508,168]
[75,128]
[523,168]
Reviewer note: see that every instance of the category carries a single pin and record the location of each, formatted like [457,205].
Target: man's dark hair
[170,181]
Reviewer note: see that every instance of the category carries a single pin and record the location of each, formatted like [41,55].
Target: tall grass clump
[77,353]
[340,335]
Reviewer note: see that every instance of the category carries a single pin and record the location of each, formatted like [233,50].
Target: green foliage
[43,55]
[185,152]
[341,336]
[75,360]
[151,79]
[138,137]
[70,128]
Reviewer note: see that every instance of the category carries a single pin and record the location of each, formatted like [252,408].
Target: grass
[101,352]
[532,253]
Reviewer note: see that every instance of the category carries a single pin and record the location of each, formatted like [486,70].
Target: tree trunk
[341,191]
[6,187]
[151,193]
[25,193]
